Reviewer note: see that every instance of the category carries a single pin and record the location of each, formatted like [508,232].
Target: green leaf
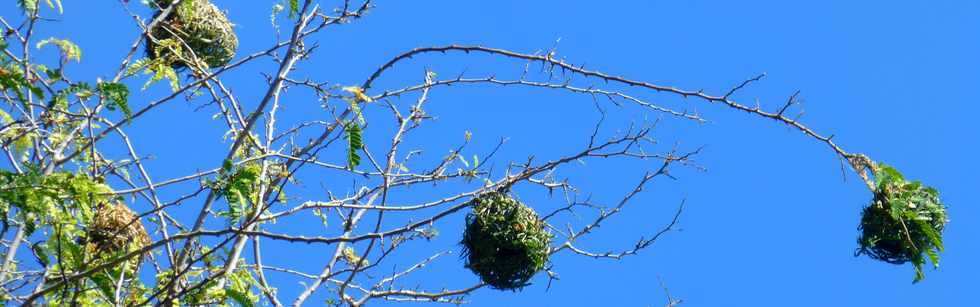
[895,210]
[323,217]
[887,174]
[137,66]
[353,134]
[15,81]
[293,8]
[167,51]
[932,192]
[28,6]
[117,95]
[240,298]
[5,117]
[917,264]
[227,165]
[161,70]
[933,257]
[186,8]
[42,256]
[239,189]
[105,285]
[51,4]
[36,91]
[51,73]
[69,50]
[931,233]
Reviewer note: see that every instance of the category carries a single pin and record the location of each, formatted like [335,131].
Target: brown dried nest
[194,28]
[117,228]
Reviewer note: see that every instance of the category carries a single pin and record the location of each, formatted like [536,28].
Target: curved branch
[858,167]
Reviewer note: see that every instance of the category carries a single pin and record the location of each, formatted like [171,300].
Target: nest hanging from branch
[193,29]
[116,228]
[903,223]
[504,242]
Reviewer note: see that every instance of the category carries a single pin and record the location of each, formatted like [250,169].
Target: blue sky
[771,223]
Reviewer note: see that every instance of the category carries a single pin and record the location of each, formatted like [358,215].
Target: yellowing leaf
[359,92]
[353,260]
[68,49]
[5,117]
[61,10]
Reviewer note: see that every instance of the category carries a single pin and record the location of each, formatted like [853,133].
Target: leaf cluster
[43,200]
[903,223]
[69,50]
[67,210]
[117,97]
[12,79]
[31,6]
[237,290]
[238,186]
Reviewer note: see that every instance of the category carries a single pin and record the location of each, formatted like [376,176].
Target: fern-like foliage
[352,131]
[904,222]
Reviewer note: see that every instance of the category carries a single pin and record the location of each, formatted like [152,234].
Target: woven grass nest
[116,228]
[504,242]
[903,223]
[197,25]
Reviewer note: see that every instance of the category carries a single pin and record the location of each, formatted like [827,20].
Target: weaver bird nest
[904,222]
[504,242]
[193,29]
[116,228]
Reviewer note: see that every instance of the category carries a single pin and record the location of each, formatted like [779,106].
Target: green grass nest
[504,242]
[197,25]
[904,223]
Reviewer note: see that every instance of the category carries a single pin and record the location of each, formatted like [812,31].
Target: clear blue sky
[771,223]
